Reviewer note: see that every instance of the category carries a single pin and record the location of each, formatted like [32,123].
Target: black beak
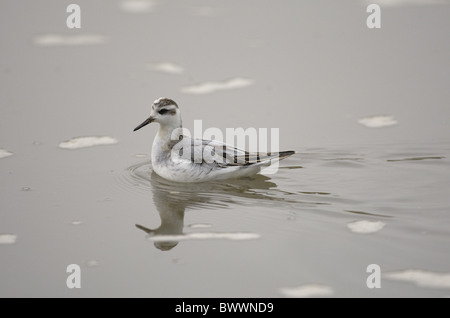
[145,123]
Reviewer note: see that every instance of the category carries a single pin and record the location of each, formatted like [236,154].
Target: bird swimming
[183,159]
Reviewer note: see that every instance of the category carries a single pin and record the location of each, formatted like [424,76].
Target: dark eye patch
[163,111]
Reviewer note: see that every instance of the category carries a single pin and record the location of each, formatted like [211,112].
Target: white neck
[165,132]
[162,140]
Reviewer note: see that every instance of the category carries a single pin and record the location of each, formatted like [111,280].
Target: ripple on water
[421,278]
[7,239]
[417,158]
[82,142]
[309,290]
[258,189]
[5,153]
[209,87]
[136,178]
[314,192]
[69,40]
[369,213]
[139,178]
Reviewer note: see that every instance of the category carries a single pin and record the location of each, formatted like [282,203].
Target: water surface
[366,110]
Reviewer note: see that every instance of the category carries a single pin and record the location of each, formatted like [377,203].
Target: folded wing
[221,155]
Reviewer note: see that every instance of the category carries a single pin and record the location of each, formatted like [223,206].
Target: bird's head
[165,112]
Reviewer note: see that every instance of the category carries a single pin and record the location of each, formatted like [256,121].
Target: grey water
[365,109]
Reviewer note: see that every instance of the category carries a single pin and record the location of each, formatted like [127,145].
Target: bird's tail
[285,154]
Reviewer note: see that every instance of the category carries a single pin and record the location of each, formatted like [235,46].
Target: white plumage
[182,159]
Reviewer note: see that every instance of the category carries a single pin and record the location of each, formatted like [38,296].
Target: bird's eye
[163,111]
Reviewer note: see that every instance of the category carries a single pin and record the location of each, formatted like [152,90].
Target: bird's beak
[145,123]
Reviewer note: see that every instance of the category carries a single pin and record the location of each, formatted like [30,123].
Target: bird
[180,158]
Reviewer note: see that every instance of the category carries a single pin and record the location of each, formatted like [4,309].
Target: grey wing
[233,156]
[219,154]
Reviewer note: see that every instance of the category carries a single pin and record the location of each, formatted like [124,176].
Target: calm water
[362,190]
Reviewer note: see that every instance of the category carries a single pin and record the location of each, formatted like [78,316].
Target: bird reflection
[171,213]
[172,199]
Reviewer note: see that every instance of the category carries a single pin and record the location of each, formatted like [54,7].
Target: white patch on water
[404,3]
[8,239]
[82,142]
[69,40]
[137,6]
[235,236]
[209,87]
[377,121]
[200,225]
[309,290]
[421,278]
[166,67]
[76,222]
[93,263]
[5,153]
[365,227]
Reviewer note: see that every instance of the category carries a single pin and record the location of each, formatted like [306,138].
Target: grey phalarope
[182,159]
